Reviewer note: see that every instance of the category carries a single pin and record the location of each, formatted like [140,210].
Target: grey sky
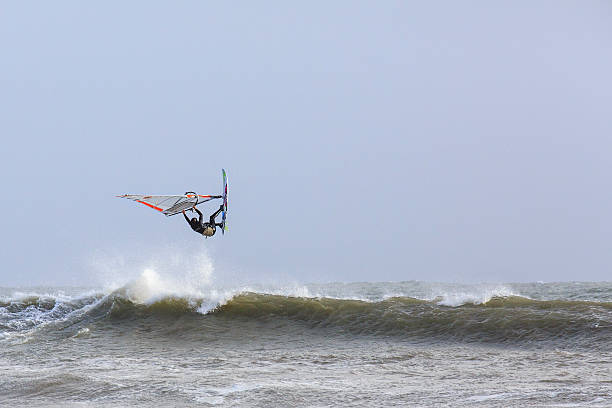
[454,141]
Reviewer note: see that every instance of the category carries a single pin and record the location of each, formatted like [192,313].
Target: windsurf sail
[170,204]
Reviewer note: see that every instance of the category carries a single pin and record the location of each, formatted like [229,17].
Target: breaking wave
[495,318]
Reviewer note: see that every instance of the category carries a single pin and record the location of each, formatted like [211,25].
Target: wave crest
[488,318]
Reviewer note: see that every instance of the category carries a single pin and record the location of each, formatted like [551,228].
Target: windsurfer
[207,229]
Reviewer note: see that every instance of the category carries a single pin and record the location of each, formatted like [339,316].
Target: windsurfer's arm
[199,213]
[186,217]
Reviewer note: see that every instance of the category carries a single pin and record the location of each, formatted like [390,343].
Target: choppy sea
[145,344]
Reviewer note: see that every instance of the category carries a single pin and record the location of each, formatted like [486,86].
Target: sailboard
[224,213]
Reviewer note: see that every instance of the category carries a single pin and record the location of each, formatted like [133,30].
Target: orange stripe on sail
[150,205]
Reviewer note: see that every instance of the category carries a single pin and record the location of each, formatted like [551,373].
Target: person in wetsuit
[207,229]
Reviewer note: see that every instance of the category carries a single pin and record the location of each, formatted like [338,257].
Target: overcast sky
[364,141]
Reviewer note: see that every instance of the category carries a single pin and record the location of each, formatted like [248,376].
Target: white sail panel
[169,204]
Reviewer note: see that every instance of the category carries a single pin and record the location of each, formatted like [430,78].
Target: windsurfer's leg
[212,217]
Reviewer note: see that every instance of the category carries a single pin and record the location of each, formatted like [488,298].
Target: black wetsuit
[202,227]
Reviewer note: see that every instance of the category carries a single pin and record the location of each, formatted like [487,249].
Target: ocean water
[151,343]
